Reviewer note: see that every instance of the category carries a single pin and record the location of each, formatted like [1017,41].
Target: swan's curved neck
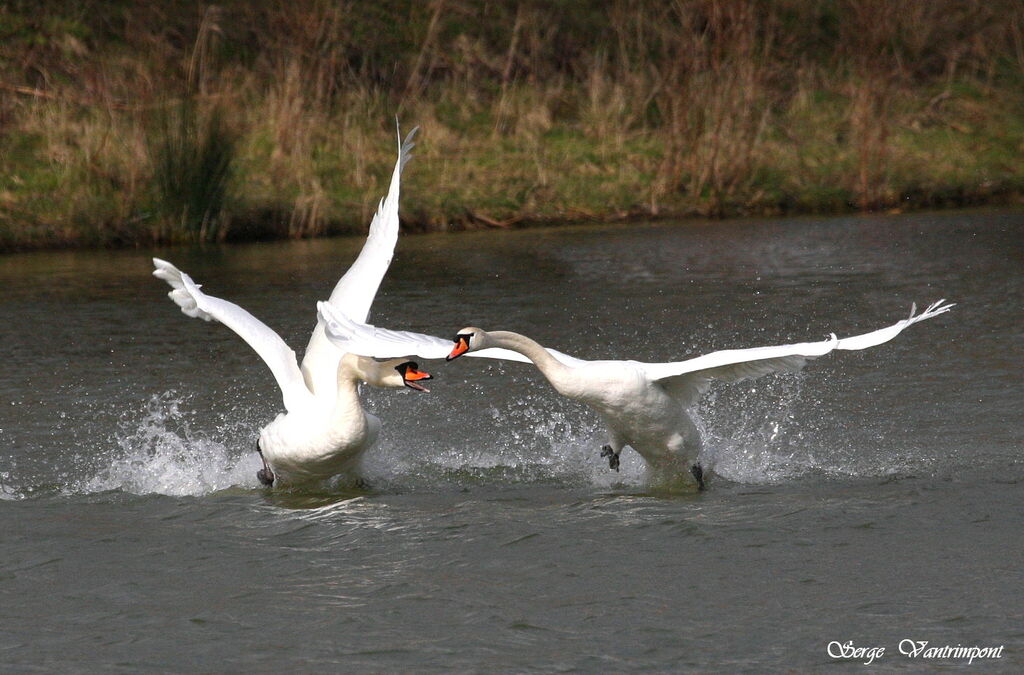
[354,369]
[557,373]
[351,371]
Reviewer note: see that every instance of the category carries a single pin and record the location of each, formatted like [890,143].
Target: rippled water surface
[873,498]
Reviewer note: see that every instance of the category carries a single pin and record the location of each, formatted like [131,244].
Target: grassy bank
[127,124]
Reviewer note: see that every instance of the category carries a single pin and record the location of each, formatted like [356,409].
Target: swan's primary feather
[268,344]
[355,292]
[687,380]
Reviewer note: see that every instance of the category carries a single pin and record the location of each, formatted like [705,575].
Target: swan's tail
[184,293]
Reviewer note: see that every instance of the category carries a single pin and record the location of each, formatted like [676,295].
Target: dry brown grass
[530,110]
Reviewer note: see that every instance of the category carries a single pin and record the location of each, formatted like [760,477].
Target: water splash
[748,430]
[770,431]
[751,434]
[526,438]
[8,492]
[156,452]
[760,432]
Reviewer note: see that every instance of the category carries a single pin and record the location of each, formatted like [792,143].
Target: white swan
[644,405]
[325,430]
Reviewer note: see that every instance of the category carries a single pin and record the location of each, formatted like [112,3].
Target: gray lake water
[874,498]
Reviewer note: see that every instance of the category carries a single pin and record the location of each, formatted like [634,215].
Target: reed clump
[141,123]
[192,167]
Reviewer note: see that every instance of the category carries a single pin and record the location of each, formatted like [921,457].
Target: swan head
[467,340]
[412,375]
[390,374]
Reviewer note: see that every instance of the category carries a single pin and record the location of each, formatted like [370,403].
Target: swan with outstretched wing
[324,431]
[646,406]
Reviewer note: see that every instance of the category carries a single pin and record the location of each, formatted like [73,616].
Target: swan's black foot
[264,475]
[698,475]
[613,459]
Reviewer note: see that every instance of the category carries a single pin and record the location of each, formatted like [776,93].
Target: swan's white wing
[268,344]
[355,292]
[687,380]
[367,340]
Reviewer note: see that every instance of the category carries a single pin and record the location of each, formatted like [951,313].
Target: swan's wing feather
[687,380]
[368,340]
[268,344]
[687,388]
[175,278]
[877,337]
[355,291]
[365,339]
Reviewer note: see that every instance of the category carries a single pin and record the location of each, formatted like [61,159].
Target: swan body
[646,406]
[636,410]
[324,431]
[327,438]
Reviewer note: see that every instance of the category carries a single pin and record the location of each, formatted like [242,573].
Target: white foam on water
[156,452]
[524,439]
[746,429]
[7,491]
[754,433]
[762,432]
[771,431]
